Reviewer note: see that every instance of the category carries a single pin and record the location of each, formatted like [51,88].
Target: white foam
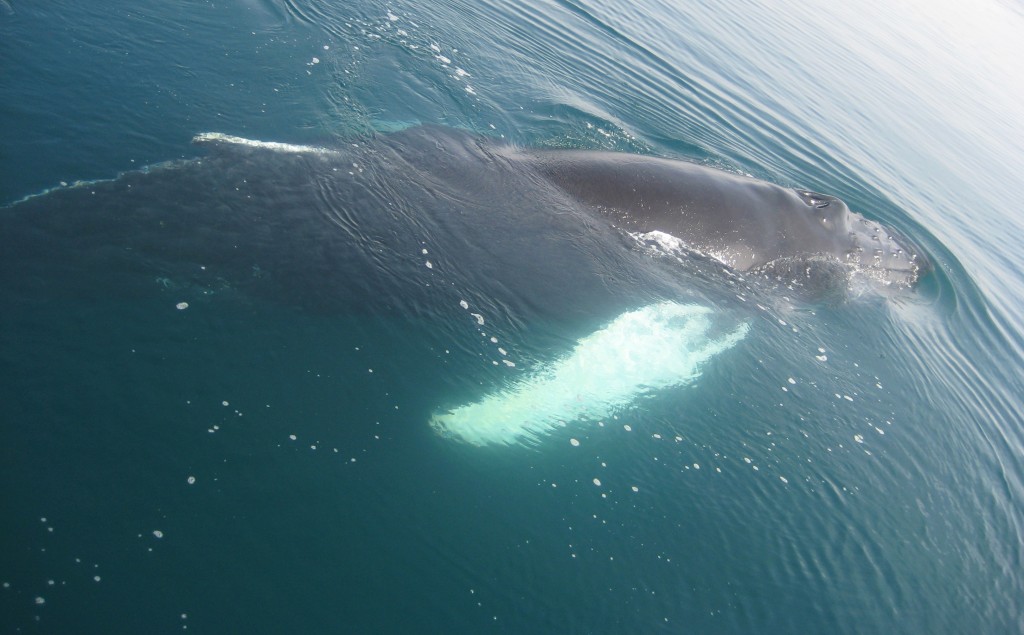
[640,352]
[662,241]
[275,146]
[667,244]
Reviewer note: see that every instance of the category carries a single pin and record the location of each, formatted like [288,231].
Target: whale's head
[869,250]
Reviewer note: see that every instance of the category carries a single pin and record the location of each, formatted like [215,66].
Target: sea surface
[258,375]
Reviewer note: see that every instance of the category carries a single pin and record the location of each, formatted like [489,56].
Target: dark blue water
[267,458]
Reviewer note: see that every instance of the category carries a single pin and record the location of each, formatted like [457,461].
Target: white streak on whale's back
[641,351]
[275,146]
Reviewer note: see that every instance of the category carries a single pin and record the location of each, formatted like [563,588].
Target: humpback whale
[415,223]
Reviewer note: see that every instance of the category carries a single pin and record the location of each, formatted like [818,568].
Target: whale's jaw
[884,257]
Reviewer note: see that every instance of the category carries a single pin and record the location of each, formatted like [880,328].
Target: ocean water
[269,366]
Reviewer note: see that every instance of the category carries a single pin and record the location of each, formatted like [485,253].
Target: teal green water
[268,459]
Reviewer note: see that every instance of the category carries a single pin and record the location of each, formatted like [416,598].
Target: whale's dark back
[743,222]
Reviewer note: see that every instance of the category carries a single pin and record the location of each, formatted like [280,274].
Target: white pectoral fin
[652,348]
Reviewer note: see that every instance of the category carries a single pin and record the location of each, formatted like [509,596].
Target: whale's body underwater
[417,222]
